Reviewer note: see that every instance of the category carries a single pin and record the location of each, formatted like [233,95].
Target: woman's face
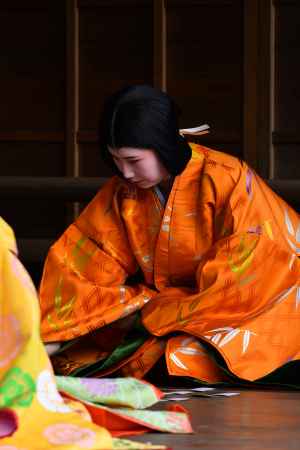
[139,166]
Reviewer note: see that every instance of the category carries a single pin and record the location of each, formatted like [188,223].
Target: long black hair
[141,116]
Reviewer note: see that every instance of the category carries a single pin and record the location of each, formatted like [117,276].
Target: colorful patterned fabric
[119,404]
[125,392]
[33,415]
[220,269]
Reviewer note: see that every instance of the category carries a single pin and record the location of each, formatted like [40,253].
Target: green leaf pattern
[17,389]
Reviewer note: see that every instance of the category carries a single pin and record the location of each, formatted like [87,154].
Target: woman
[186,253]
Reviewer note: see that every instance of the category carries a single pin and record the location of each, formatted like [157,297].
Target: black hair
[141,116]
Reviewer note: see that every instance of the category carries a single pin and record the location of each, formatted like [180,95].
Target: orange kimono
[220,288]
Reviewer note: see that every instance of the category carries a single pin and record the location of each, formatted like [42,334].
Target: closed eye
[131,160]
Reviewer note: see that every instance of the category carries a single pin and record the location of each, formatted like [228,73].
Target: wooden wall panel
[32,67]
[258,84]
[115,49]
[287,161]
[205,67]
[32,159]
[231,63]
[287,117]
[33,218]
[91,164]
[32,112]
[286,135]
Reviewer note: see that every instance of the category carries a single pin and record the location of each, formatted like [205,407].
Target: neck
[166,186]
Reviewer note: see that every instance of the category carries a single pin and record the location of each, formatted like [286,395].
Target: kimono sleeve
[83,285]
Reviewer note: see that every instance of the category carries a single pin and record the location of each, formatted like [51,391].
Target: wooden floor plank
[253,420]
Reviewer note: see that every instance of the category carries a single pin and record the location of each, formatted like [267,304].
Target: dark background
[233,64]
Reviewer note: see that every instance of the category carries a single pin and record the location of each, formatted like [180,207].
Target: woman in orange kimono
[186,253]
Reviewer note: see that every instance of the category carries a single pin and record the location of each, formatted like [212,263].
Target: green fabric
[128,392]
[125,397]
[134,339]
[125,349]
[165,421]
[125,444]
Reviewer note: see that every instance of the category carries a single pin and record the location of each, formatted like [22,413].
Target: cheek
[149,173]
[141,169]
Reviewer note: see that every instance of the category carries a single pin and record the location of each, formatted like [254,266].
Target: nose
[126,170]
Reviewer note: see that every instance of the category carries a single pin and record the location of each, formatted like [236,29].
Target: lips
[136,181]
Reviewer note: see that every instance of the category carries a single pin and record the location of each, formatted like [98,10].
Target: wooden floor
[253,420]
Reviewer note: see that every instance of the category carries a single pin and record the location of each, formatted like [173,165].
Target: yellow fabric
[27,386]
[220,265]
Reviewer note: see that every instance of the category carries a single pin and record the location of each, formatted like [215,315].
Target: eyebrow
[125,157]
